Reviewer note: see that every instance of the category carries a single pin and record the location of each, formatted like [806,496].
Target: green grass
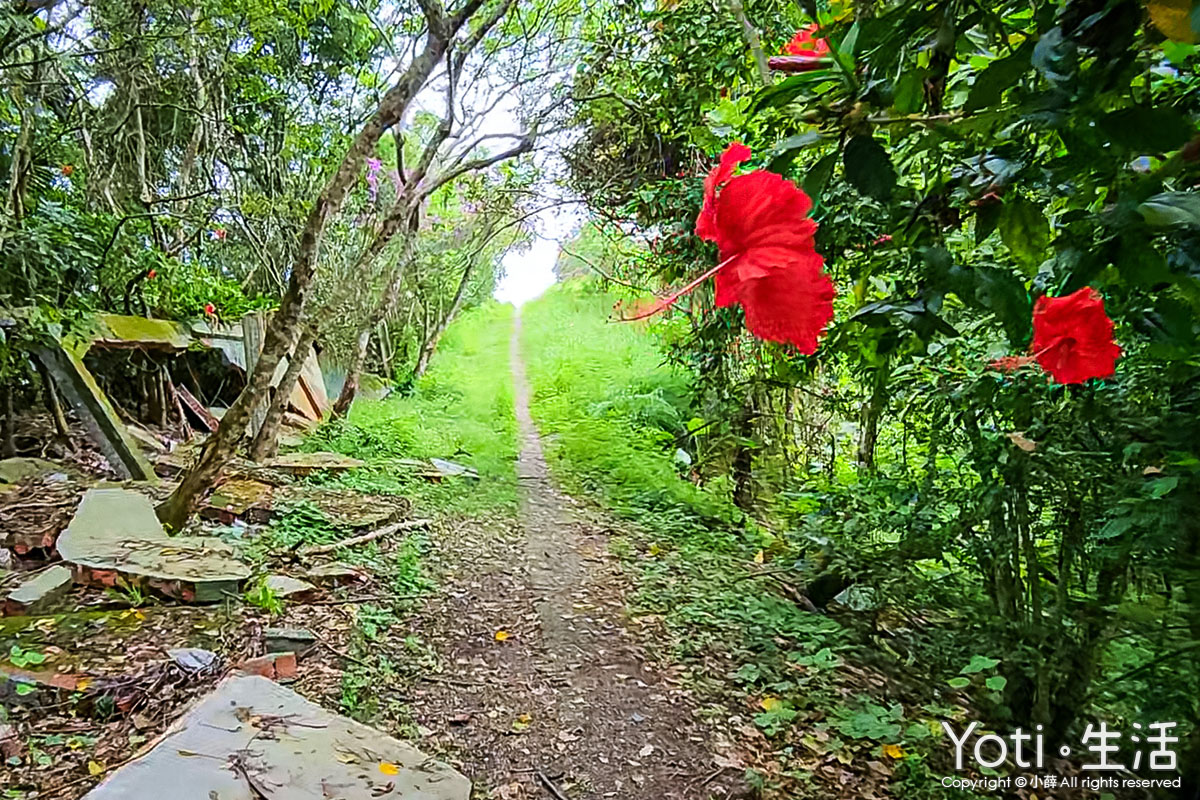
[612,411]
[461,410]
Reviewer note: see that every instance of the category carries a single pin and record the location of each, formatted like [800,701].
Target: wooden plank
[94,409]
[202,414]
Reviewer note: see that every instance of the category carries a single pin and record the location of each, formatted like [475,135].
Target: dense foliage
[965,161]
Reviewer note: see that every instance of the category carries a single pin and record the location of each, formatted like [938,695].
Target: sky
[529,273]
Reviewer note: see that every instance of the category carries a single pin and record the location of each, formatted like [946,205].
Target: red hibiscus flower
[67,169]
[768,261]
[1073,337]
[219,234]
[210,309]
[152,274]
[806,44]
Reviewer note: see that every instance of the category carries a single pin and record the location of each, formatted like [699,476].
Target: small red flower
[1073,337]
[210,309]
[67,169]
[806,44]
[219,234]
[152,274]
[769,264]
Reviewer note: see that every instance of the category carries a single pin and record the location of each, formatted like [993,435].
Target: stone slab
[252,739]
[304,463]
[92,406]
[39,594]
[115,532]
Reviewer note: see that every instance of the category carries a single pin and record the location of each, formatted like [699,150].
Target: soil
[548,691]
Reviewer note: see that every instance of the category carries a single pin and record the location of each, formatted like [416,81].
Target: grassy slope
[595,385]
[461,410]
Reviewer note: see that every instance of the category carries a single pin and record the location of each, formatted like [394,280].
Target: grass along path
[518,665]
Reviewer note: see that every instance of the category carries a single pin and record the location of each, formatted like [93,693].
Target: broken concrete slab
[286,586]
[240,498]
[289,640]
[304,463]
[336,573]
[257,739]
[346,508]
[116,534]
[39,594]
[18,470]
[92,406]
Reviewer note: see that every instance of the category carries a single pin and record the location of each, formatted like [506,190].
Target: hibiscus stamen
[666,302]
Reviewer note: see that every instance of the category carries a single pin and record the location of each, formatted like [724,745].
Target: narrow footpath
[545,690]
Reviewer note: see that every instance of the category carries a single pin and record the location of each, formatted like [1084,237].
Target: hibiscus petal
[792,303]
[1073,337]
[735,154]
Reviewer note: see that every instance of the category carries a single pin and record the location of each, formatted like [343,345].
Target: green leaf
[787,150]
[979,664]
[1162,487]
[996,683]
[986,220]
[868,168]
[1147,130]
[818,176]
[786,90]
[1024,230]
[908,95]
[1001,74]
[1170,209]
[959,683]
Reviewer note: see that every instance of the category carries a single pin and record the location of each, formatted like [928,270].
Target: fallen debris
[306,463]
[451,469]
[289,640]
[245,499]
[205,417]
[116,534]
[16,470]
[346,508]
[256,739]
[40,593]
[387,530]
[337,573]
[194,659]
[273,666]
[286,586]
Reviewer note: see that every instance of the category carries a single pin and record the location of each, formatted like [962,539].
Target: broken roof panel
[117,331]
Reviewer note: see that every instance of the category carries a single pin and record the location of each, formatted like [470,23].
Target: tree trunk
[8,441]
[220,447]
[871,413]
[54,404]
[431,340]
[386,303]
[266,443]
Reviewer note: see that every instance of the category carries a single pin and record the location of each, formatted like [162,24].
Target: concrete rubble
[115,534]
[251,739]
[40,593]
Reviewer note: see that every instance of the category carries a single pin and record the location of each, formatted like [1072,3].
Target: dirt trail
[565,694]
